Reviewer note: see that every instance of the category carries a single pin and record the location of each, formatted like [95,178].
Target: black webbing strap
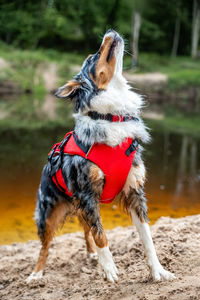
[132,147]
[83,147]
[60,147]
[52,153]
[66,139]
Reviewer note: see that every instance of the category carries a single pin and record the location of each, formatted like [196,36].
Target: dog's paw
[107,264]
[34,276]
[110,272]
[159,273]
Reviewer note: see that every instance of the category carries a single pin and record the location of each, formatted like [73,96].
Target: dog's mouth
[116,40]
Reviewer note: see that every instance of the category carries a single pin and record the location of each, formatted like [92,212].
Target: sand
[70,275]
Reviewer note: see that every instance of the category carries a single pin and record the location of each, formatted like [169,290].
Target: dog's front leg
[134,202]
[88,211]
[157,271]
[93,221]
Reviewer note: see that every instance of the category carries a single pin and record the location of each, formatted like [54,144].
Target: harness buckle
[133,147]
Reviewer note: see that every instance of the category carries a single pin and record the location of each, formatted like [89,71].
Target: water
[172,188]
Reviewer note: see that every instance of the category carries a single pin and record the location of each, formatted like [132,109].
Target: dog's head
[97,71]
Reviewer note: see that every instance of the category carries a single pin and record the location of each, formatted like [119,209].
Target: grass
[177,123]
[181,71]
[24,66]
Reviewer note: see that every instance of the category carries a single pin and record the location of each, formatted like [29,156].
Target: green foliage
[184,77]
[182,71]
[177,122]
[72,24]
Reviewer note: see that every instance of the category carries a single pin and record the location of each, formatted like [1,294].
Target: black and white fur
[118,99]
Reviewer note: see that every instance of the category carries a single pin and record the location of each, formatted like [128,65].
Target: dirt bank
[69,274]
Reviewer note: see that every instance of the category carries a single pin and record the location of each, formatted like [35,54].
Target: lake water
[172,188]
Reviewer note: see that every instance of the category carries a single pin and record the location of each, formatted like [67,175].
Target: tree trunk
[182,166]
[195,28]
[136,33]
[176,37]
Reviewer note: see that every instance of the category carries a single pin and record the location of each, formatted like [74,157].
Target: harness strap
[111,118]
[132,147]
[60,147]
[57,183]
[51,154]
[81,145]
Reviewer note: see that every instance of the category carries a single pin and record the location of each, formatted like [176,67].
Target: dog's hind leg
[135,203]
[91,250]
[57,216]
[51,210]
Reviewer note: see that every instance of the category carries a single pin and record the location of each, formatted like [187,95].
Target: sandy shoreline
[70,275]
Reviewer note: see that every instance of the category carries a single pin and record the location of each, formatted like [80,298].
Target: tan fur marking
[135,179]
[95,173]
[100,239]
[104,70]
[68,88]
[57,217]
[88,236]
[132,202]
[97,179]
[124,202]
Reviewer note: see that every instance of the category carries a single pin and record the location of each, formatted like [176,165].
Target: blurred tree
[176,29]
[71,24]
[136,32]
[195,27]
[19,22]
[138,7]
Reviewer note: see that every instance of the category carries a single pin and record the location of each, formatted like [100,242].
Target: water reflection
[173,166]
[174,169]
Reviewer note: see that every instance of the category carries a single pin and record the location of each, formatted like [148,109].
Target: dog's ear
[102,78]
[68,90]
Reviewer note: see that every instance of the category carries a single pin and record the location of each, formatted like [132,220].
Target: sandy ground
[70,275]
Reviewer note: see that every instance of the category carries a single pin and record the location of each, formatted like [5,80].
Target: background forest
[69,24]
[43,44]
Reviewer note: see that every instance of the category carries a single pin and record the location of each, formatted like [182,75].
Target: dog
[100,159]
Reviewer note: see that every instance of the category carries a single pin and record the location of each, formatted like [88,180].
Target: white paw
[159,273]
[93,256]
[34,276]
[110,272]
[107,264]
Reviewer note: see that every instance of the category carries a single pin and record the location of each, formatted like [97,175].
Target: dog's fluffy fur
[100,87]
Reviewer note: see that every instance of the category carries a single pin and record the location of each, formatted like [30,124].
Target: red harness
[115,162]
